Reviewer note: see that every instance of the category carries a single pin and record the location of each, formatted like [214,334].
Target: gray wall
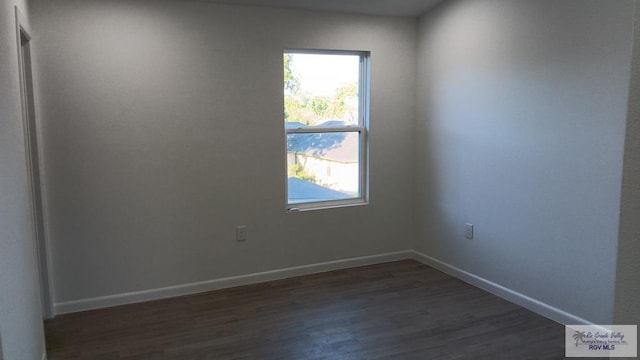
[164,130]
[521,121]
[627,310]
[20,313]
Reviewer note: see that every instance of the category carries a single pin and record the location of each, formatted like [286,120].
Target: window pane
[323,166]
[321,90]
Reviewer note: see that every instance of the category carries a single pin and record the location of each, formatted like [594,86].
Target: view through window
[325,108]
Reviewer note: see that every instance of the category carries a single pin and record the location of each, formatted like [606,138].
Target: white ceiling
[369,7]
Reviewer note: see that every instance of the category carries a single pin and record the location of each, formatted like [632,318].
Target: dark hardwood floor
[397,310]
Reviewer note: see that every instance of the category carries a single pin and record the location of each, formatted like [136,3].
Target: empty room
[314,179]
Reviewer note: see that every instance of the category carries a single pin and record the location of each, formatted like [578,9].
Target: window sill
[325,206]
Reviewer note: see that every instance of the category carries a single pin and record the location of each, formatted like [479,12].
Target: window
[325,120]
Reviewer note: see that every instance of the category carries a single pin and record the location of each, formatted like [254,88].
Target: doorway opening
[33,160]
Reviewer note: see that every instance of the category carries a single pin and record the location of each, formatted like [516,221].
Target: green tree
[308,109]
[339,102]
[291,81]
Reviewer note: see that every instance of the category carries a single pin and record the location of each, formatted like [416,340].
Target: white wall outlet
[468,231]
[241,233]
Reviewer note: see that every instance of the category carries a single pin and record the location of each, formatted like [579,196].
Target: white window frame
[362,129]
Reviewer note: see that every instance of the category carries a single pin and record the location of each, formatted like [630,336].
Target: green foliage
[308,109]
[319,105]
[343,94]
[298,171]
[291,83]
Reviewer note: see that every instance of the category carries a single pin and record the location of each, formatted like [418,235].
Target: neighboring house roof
[294,125]
[339,147]
[305,191]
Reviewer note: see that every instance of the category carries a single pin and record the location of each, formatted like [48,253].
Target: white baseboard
[515,297]
[216,284]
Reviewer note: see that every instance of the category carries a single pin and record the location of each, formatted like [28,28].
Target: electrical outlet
[468,231]
[241,233]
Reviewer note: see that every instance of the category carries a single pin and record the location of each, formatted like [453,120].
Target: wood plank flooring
[397,310]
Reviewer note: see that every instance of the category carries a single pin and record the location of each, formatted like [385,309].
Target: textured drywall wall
[20,311]
[627,310]
[521,121]
[164,131]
